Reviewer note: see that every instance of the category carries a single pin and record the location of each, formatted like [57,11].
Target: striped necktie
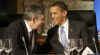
[63,38]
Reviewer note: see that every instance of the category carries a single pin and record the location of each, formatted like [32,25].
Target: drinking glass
[8,46]
[1,46]
[79,45]
[72,45]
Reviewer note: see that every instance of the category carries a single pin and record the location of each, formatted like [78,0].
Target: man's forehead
[55,8]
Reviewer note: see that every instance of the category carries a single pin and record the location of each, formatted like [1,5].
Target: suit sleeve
[12,33]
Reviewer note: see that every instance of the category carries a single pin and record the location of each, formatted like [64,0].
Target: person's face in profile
[57,15]
[36,23]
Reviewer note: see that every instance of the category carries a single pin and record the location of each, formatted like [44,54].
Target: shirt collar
[29,29]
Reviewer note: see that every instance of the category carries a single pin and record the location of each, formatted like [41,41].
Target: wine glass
[79,45]
[1,46]
[8,46]
[72,45]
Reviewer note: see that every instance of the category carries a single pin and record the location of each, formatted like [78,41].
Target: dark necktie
[31,40]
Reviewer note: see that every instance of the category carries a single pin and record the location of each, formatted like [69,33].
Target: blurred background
[11,10]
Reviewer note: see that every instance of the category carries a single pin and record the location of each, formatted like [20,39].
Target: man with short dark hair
[24,31]
[65,29]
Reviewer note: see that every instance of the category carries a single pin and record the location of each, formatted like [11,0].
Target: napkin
[87,51]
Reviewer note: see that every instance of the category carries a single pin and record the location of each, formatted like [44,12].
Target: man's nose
[52,16]
[43,22]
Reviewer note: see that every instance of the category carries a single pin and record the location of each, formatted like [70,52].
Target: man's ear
[33,20]
[65,13]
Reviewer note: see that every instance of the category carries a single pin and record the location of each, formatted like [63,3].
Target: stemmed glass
[72,45]
[1,46]
[8,46]
[79,45]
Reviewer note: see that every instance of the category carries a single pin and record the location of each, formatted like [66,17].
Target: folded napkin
[87,51]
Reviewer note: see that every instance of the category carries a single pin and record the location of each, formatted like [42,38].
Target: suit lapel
[25,33]
[35,39]
[70,30]
[57,33]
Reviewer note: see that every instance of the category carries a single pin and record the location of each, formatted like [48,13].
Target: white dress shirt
[29,29]
[65,25]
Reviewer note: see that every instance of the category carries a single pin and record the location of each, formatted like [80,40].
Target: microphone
[25,46]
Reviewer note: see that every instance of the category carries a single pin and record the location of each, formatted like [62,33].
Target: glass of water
[1,46]
[8,46]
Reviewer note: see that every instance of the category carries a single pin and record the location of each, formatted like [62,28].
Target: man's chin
[56,23]
[38,28]
[35,28]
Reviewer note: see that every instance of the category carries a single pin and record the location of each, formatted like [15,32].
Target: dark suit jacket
[16,31]
[76,30]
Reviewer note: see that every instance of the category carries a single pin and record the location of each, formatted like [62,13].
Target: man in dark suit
[66,29]
[23,32]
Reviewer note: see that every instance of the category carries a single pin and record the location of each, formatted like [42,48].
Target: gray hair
[33,11]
